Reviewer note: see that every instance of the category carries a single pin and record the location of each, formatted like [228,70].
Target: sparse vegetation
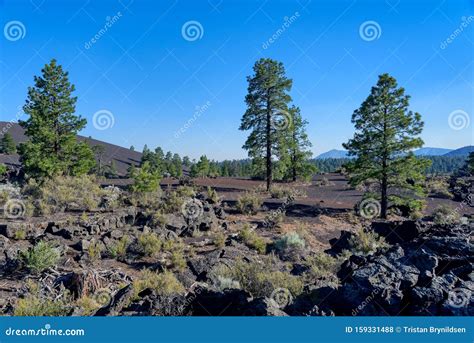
[324,182]
[94,251]
[290,245]
[219,239]
[88,305]
[20,234]
[213,196]
[40,257]
[149,243]
[321,266]
[366,242]
[62,193]
[36,304]
[261,279]
[249,203]
[445,215]
[145,179]
[252,239]
[163,284]
[438,187]
[118,250]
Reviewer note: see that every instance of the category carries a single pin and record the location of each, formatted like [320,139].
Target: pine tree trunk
[269,149]
[384,200]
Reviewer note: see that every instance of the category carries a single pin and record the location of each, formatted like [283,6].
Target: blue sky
[156,82]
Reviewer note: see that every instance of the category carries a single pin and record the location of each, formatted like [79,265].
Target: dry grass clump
[259,279]
[252,239]
[164,283]
[366,242]
[249,203]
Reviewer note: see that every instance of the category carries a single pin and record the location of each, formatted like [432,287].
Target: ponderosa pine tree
[386,133]
[52,127]
[7,144]
[295,147]
[267,101]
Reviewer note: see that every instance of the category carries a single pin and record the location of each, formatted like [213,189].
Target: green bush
[148,200]
[40,257]
[219,239]
[163,284]
[88,305]
[94,251]
[118,250]
[149,244]
[259,279]
[322,266]
[445,215]
[158,219]
[62,193]
[252,239]
[274,218]
[249,203]
[213,196]
[145,179]
[3,170]
[438,187]
[366,242]
[289,245]
[37,306]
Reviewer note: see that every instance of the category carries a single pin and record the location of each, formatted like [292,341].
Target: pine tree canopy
[386,133]
[52,127]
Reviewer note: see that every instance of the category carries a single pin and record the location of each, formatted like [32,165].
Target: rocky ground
[208,259]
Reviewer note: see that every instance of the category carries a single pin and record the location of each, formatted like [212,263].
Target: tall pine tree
[386,133]
[52,147]
[267,100]
[295,147]
[7,144]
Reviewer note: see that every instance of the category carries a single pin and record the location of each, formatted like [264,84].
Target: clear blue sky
[152,79]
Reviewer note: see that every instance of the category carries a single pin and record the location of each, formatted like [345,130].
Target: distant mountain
[426,151]
[431,151]
[464,151]
[334,153]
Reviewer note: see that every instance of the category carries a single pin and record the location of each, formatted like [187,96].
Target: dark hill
[464,151]
[122,157]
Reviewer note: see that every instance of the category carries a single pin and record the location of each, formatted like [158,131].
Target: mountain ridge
[425,151]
